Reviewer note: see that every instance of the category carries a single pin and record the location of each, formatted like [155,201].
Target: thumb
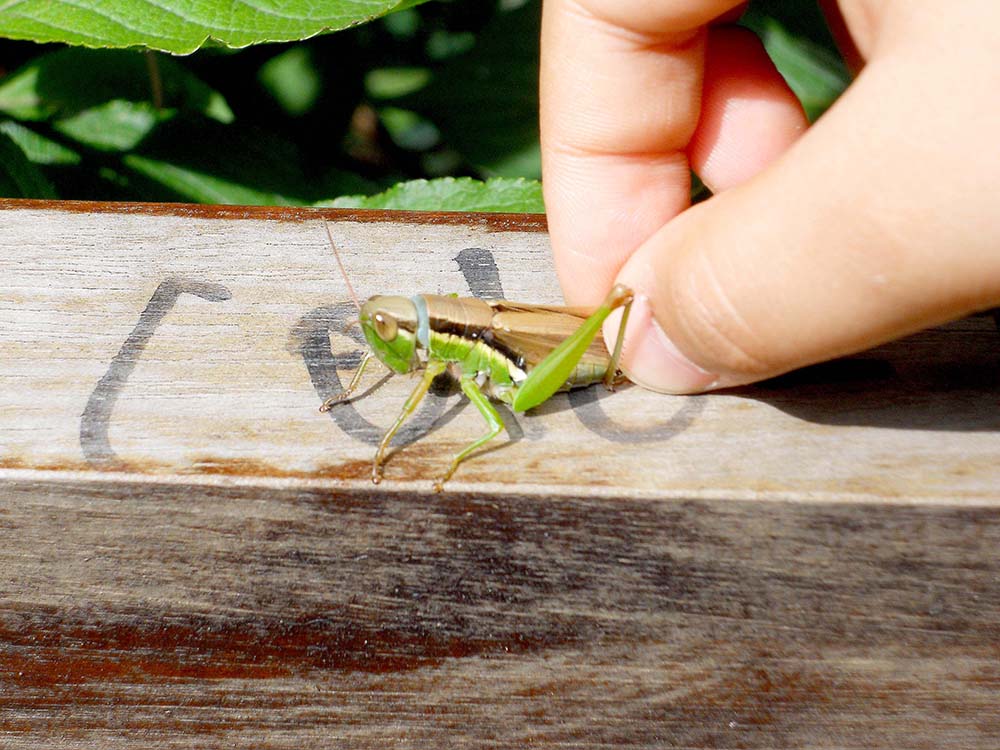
[878,222]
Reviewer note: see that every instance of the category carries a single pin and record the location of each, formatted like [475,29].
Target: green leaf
[114,126]
[19,178]
[38,148]
[182,26]
[71,81]
[391,83]
[453,194]
[800,45]
[816,76]
[103,98]
[293,80]
[207,162]
[403,5]
[203,187]
[409,130]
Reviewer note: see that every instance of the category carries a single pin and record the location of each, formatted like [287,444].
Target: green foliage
[182,26]
[493,122]
[798,41]
[18,176]
[461,194]
[423,107]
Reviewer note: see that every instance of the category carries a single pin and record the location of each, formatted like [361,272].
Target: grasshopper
[517,354]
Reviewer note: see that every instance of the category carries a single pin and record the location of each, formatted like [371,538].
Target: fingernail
[650,359]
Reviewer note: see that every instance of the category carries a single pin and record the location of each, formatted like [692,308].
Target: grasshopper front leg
[345,394]
[433,369]
[493,421]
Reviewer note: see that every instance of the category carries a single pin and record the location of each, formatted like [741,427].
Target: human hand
[882,219]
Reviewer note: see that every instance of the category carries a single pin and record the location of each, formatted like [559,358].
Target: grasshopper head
[390,325]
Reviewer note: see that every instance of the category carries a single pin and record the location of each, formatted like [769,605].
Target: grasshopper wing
[531,332]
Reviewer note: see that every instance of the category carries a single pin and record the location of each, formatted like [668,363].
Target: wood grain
[192,556]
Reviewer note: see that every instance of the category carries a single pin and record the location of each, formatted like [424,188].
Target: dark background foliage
[444,89]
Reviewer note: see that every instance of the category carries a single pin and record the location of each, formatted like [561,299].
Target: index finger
[620,99]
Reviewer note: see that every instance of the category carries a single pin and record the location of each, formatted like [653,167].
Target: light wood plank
[159,342]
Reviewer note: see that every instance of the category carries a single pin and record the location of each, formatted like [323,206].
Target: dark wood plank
[193,614]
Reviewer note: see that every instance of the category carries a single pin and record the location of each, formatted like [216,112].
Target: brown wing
[503,305]
[532,331]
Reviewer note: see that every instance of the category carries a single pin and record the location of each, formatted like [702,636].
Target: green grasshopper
[517,354]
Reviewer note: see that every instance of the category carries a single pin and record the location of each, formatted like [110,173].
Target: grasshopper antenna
[340,263]
[345,395]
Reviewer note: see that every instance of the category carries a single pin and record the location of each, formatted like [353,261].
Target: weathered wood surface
[192,556]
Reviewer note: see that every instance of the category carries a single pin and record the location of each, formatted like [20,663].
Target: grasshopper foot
[439,483]
[611,384]
[333,401]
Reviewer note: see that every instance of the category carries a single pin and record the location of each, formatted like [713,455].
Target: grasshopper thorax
[391,326]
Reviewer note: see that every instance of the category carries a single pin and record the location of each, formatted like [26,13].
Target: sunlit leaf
[182,26]
[451,194]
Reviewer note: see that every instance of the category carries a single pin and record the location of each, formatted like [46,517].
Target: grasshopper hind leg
[493,420]
[620,296]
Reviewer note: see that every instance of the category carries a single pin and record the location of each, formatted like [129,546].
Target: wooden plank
[199,615]
[191,555]
[159,342]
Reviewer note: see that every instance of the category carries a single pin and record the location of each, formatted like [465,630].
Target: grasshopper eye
[385,326]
